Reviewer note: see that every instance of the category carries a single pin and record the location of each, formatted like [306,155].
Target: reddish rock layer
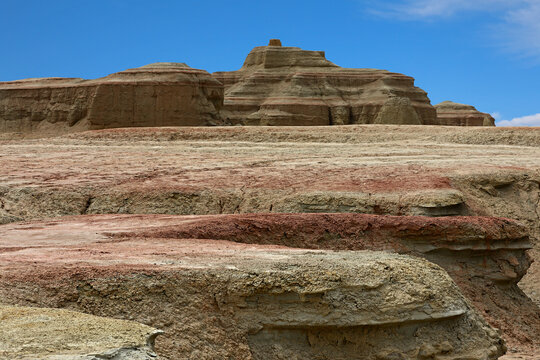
[454,114]
[161,94]
[485,256]
[290,86]
[220,299]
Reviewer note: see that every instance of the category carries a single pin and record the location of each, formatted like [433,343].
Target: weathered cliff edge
[485,256]
[161,94]
[221,299]
[451,113]
[290,86]
[56,334]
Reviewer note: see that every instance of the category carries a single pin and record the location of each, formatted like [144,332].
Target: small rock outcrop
[57,334]
[160,94]
[290,86]
[454,114]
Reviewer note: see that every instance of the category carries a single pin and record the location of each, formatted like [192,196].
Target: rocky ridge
[277,85]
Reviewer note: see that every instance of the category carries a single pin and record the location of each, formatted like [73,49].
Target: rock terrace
[216,299]
[161,94]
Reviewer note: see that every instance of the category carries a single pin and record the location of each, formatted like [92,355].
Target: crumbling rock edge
[255,301]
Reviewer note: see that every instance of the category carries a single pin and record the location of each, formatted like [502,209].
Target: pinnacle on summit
[274,42]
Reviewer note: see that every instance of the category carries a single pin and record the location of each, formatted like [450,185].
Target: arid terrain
[412,172]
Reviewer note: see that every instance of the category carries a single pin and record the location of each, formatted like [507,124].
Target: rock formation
[161,94]
[454,114]
[55,334]
[485,256]
[289,86]
[276,86]
[220,299]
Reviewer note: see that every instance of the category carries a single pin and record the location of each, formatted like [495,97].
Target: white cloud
[496,115]
[520,30]
[515,28]
[529,120]
[425,9]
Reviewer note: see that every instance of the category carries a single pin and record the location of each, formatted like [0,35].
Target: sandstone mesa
[277,85]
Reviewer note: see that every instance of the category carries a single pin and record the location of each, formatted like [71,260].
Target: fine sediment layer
[55,334]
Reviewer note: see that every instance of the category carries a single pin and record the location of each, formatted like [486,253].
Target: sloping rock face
[56,334]
[221,299]
[454,114]
[290,86]
[161,94]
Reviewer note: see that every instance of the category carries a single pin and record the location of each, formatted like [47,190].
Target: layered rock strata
[376,169]
[454,114]
[160,94]
[485,256]
[221,299]
[290,86]
[56,334]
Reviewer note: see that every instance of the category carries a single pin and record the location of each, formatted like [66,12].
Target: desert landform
[291,209]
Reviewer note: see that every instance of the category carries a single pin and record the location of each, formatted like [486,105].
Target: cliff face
[290,86]
[454,114]
[161,94]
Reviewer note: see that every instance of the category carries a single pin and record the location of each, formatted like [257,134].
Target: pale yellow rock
[42,333]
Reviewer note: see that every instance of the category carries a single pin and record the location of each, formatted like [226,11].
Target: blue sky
[483,52]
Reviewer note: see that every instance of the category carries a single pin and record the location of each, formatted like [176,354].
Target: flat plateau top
[345,158]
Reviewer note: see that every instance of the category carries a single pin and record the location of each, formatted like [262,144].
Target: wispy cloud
[496,115]
[428,9]
[520,31]
[529,120]
[516,27]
